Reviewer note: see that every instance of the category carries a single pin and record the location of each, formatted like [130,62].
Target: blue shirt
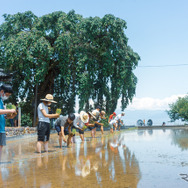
[2,118]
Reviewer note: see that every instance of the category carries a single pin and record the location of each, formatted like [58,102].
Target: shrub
[26,120]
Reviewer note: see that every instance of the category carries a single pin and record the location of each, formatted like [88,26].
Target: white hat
[49,98]
[84,117]
[91,114]
[95,113]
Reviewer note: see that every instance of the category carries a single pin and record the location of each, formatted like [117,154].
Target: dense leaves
[69,56]
[179,109]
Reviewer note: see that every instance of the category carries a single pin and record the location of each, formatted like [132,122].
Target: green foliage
[7,123]
[26,121]
[69,56]
[179,109]
[10,106]
[105,122]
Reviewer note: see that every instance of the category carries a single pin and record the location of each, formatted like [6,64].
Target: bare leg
[93,133]
[95,130]
[60,140]
[1,148]
[46,146]
[102,130]
[39,143]
[115,127]
[111,130]
[69,140]
[82,137]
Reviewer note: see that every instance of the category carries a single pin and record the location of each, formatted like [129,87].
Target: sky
[157,31]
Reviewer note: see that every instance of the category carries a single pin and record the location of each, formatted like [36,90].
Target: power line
[155,66]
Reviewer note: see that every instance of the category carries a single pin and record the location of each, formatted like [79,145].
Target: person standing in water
[44,122]
[5,92]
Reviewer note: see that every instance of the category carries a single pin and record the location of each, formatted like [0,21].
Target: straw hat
[103,113]
[49,98]
[84,117]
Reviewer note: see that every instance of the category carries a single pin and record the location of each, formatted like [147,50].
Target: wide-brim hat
[95,113]
[90,113]
[49,98]
[84,117]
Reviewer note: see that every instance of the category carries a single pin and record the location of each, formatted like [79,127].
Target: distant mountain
[157,116]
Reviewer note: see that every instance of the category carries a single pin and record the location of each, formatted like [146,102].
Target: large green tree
[68,55]
[179,109]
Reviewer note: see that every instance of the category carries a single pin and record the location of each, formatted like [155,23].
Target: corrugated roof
[5,76]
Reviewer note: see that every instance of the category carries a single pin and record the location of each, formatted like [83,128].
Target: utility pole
[35,105]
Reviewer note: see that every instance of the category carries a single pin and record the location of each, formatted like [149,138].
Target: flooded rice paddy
[131,158]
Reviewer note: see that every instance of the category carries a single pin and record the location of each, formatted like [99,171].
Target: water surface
[136,158]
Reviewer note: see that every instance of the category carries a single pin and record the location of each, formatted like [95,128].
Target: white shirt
[113,121]
[40,115]
[77,121]
[118,117]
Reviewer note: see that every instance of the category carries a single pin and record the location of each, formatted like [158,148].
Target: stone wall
[18,131]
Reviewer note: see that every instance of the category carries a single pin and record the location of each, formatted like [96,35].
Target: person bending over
[63,126]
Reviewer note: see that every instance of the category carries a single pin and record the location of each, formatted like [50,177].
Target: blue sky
[157,31]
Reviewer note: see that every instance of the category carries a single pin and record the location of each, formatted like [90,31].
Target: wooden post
[19,116]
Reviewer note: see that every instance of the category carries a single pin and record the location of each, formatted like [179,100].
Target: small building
[5,77]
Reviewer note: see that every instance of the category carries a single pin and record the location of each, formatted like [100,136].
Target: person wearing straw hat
[93,117]
[98,123]
[79,123]
[44,122]
[118,119]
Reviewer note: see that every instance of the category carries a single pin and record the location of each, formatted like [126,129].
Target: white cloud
[148,103]
[145,103]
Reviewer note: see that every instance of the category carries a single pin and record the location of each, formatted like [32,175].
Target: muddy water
[137,158]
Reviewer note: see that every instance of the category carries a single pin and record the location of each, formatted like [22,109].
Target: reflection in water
[179,137]
[128,164]
[141,132]
[100,162]
[150,131]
